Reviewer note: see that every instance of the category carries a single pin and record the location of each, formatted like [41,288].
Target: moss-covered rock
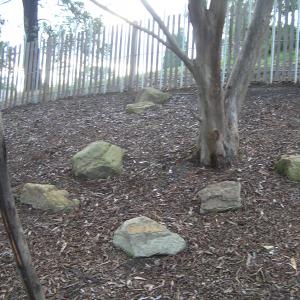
[47,197]
[99,160]
[138,108]
[289,165]
[153,95]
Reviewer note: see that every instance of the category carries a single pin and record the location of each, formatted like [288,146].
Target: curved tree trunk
[14,229]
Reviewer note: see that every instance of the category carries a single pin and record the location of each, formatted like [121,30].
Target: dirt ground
[252,253]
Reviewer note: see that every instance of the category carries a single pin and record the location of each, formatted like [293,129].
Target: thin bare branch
[171,40]
[132,23]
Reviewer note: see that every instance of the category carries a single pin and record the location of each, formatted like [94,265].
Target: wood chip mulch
[253,253]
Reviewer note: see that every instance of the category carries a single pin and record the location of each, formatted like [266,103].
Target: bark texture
[14,230]
[30,8]
[208,28]
[31,28]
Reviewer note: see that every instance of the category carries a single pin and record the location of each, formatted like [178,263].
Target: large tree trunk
[208,28]
[30,8]
[218,139]
[31,57]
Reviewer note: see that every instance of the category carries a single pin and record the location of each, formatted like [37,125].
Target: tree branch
[171,44]
[217,9]
[208,28]
[132,23]
[199,8]
[240,77]
[171,40]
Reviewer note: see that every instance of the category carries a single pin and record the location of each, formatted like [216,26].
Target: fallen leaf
[293,263]
[268,247]
[139,278]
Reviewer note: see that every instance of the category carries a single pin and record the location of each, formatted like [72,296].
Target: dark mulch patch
[225,258]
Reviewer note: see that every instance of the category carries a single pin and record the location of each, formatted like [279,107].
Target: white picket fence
[118,58]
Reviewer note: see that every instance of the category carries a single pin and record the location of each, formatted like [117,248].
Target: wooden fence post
[48,69]
[133,54]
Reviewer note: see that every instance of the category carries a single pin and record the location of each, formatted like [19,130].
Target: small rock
[143,237]
[220,197]
[99,160]
[47,197]
[138,108]
[289,165]
[153,95]
[6,257]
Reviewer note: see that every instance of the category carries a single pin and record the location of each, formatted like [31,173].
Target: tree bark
[14,230]
[31,61]
[30,8]
[208,28]
[218,139]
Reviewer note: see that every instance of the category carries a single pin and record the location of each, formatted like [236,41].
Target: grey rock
[99,160]
[220,197]
[144,237]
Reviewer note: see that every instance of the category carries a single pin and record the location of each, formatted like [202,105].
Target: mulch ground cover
[253,253]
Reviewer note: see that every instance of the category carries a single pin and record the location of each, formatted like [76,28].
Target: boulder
[47,197]
[99,160]
[289,165]
[143,237]
[220,197]
[138,108]
[153,95]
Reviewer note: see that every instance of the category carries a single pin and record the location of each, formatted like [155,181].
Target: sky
[12,12]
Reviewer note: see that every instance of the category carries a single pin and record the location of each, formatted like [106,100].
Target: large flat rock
[144,237]
[47,197]
[98,160]
[220,197]
[138,108]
